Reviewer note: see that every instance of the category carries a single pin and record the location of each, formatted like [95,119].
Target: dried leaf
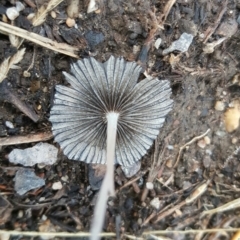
[10,63]
[16,58]
[41,15]
[4,67]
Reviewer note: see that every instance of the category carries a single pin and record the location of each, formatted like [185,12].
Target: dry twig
[209,32]
[42,12]
[42,41]
[187,144]
[36,137]
[226,207]
[196,194]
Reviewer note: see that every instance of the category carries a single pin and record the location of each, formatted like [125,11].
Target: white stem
[107,188]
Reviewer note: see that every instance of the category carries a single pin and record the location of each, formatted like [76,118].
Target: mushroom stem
[107,188]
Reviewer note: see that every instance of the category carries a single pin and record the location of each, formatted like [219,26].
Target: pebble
[9,124]
[12,13]
[20,214]
[155,203]
[201,143]
[182,44]
[65,178]
[231,117]
[57,185]
[41,153]
[169,163]
[70,22]
[19,6]
[219,106]
[149,185]
[170,147]
[94,38]
[234,140]
[158,43]
[53,14]
[220,133]
[26,180]
[207,140]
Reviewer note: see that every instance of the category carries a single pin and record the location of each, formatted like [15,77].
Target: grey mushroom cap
[78,115]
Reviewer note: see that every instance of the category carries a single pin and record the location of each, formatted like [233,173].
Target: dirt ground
[205,85]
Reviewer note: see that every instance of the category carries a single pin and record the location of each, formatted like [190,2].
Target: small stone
[170,147]
[30,16]
[182,44]
[169,163]
[44,217]
[232,116]
[207,140]
[158,43]
[39,107]
[20,214]
[26,180]
[139,221]
[70,22]
[57,186]
[94,38]
[234,140]
[65,178]
[53,14]
[155,203]
[207,161]
[41,153]
[149,185]
[201,143]
[19,6]
[12,13]
[220,133]
[9,124]
[186,185]
[219,106]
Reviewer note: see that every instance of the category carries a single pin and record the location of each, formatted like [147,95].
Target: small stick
[209,32]
[15,140]
[42,41]
[195,195]
[187,144]
[9,96]
[30,3]
[130,182]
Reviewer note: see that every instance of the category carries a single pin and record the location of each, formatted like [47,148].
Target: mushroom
[107,117]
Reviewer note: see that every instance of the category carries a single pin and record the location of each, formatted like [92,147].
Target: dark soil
[198,80]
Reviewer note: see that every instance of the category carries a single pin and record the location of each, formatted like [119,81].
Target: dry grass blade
[43,11]
[42,41]
[226,207]
[10,63]
[4,69]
